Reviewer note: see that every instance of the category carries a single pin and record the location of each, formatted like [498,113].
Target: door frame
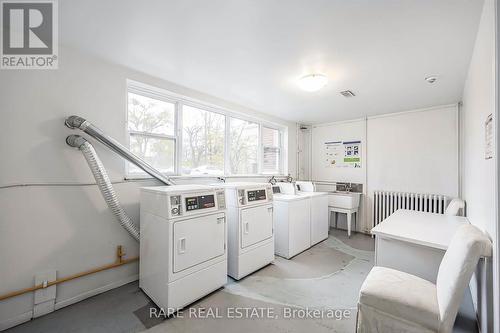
[496,245]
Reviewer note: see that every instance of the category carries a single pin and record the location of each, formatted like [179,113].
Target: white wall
[341,131]
[411,151]
[353,130]
[414,151]
[479,174]
[63,224]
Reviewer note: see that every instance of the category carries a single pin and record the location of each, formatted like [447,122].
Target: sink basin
[345,200]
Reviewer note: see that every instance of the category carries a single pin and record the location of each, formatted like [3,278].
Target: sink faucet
[348,187]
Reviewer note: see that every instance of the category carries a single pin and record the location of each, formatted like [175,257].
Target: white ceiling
[252,52]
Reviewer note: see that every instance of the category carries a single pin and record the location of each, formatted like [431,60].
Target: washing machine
[183,238]
[250,227]
[292,221]
[319,210]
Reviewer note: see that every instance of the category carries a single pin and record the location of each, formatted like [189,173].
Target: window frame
[179,101]
[138,90]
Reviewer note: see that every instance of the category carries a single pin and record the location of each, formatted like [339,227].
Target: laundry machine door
[197,240]
[256,225]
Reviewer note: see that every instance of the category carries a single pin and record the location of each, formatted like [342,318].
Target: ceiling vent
[347,93]
[431,79]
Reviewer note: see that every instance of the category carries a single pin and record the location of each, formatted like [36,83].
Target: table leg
[349,217]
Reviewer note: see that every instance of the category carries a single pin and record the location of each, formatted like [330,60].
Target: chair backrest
[454,207]
[456,269]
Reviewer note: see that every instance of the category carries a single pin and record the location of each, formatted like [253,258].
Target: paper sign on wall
[343,154]
[488,139]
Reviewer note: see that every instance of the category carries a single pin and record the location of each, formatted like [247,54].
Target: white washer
[292,220]
[319,211]
[182,244]
[250,227]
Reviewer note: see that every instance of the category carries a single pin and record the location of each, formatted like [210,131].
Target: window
[202,142]
[151,126]
[244,147]
[271,150]
[180,136]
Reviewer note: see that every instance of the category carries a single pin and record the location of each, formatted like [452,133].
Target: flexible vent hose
[103,183]
[92,130]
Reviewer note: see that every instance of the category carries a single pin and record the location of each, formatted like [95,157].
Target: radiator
[385,203]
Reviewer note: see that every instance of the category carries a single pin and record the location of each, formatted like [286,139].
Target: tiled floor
[326,277]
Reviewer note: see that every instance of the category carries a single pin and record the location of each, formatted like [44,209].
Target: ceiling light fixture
[313,82]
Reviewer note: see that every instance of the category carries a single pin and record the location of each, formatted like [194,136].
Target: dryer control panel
[200,202]
[254,195]
[196,203]
[175,205]
[221,198]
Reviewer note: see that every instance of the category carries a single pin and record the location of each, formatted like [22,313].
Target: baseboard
[27,316]
[17,320]
[100,290]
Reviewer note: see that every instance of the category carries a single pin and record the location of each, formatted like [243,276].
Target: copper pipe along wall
[119,262]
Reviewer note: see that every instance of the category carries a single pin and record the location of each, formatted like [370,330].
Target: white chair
[454,207]
[394,301]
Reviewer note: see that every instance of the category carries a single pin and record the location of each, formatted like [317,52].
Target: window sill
[186,177]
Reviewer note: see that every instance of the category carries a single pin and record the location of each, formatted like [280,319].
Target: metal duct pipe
[86,126]
[103,183]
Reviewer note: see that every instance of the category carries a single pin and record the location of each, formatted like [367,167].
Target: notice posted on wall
[488,139]
[343,154]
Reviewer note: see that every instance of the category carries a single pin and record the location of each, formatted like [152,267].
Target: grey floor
[327,277]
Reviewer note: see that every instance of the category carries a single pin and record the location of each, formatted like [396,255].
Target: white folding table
[414,242]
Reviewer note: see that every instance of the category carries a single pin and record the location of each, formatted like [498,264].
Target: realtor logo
[29,34]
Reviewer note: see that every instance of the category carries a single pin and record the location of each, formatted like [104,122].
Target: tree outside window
[244,147]
[202,142]
[151,124]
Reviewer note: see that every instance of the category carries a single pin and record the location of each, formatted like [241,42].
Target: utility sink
[345,200]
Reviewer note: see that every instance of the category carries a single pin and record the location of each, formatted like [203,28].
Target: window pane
[150,115]
[244,144]
[202,142]
[158,152]
[272,151]
[270,137]
[271,160]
